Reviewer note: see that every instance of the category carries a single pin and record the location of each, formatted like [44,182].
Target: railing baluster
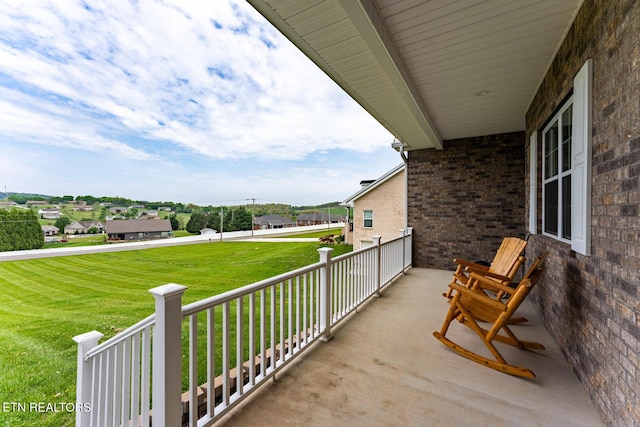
[226,352]
[263,332]
[125,409]
[211,361]
[289,303]
[281,324]
[239,346]
[145,400]
[272,358]
[252,338]
[117,382]
[134,409]
[298,331]
[193,370]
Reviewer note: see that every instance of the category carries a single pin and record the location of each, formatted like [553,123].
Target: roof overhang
[430,71]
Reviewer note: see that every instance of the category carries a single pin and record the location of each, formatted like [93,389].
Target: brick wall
[464,199]
[591,305]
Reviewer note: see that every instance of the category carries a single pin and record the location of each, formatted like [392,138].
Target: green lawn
[48,301]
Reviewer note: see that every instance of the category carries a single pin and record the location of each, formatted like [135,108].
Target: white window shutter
[533,176]
[581,161]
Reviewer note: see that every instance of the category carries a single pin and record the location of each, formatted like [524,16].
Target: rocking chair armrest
[479,298]
[469,264]
[486,282]
[487,273]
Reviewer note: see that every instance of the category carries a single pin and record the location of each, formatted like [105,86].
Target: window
[368,219]
[566,167]
[556,190]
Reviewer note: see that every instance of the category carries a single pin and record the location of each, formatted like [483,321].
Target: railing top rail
[127,333]
[365,249]
[207,303]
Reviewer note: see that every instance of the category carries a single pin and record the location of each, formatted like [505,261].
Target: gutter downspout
[406,189]
[399,146]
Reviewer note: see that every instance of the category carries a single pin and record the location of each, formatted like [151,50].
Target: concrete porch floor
[383,367]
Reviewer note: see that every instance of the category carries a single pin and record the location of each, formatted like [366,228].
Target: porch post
[325,294]
[377,267]
[83,376]
[167,356]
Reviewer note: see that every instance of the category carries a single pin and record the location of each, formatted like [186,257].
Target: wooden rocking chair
[503,268]
[471,305]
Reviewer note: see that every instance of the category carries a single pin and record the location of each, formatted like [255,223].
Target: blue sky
[188,101]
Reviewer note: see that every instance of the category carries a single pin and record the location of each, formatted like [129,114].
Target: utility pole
[253,208]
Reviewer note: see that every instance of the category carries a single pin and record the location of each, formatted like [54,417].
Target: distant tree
[241,220]
[175,224]
[131,213]
[20,230]
[62,222]
[213,220]
[22,199]
[90,200]
[67,199]
[197,222]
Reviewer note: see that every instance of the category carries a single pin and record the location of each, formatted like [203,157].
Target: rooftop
[383,367]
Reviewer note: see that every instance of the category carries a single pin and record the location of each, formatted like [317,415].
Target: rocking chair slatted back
[503,268]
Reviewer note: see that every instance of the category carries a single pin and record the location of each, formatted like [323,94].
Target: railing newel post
[410,238]
[85,343]
[167,356]
[325,294]
[403,234]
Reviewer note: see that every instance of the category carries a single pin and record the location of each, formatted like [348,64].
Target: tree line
[222,220]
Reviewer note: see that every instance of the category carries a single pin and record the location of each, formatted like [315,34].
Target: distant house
[148,215]
[83,208]
[83,227]
[318,218]
[50,230]
[112,217]
[36,202]
[378,209]
[138,229]
[49,213]
[268,222]
[7,204]
[118,210]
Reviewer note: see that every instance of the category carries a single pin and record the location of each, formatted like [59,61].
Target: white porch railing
[231,343]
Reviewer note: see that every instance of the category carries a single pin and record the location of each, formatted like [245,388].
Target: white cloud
[149,79]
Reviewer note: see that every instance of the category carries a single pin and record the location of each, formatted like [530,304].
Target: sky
[177,100]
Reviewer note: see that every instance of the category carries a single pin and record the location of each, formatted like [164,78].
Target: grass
[48,301]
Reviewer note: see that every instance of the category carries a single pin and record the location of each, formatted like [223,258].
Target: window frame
[365,219]
[562,169]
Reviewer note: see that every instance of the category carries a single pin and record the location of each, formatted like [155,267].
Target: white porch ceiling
[431,70]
